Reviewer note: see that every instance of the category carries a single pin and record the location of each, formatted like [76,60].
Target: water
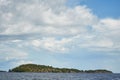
[58,76]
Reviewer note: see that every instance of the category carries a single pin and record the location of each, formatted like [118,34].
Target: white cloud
[8,54]
[108,25]
[40,24]
[17,63]
[112,24]
[108,32]
[51,44]
[4,2]
[44,19]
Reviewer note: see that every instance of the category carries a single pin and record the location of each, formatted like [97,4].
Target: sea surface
[58,76]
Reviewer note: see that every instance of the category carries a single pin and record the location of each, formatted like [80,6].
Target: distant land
[45,69]
[2,71]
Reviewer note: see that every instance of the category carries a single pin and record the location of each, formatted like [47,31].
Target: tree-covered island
[43,68]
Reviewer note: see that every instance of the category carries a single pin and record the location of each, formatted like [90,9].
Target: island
[45,69]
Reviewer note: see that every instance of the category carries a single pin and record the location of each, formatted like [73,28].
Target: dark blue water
[58,76]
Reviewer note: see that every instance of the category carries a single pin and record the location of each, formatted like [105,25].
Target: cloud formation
[55,27]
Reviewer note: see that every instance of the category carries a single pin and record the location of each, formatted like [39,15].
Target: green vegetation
[98,71]
[40,68]
[43,68]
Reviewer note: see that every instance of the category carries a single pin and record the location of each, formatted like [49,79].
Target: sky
[81,34]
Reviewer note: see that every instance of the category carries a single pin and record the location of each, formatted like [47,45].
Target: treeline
[97,71]
[2,71]
[43,68]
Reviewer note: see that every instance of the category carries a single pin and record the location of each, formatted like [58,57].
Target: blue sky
[82,34]
[102,9]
